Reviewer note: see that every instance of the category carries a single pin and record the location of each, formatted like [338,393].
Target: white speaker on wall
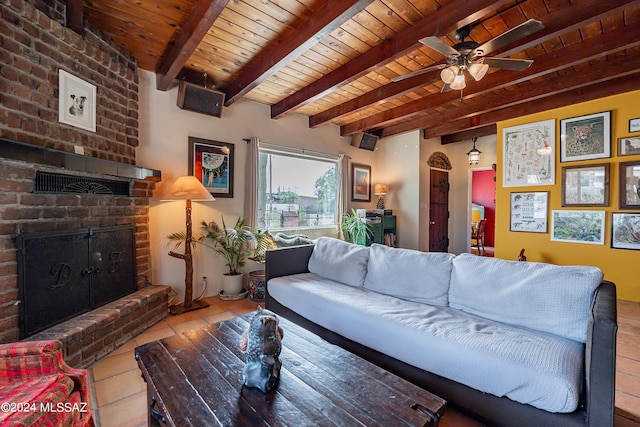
[200,99]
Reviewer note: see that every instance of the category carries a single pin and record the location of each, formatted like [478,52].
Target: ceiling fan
[469,56]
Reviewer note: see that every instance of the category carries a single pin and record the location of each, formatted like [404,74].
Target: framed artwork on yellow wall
[585,185]
[625,230]
[628,145]
[629,185]
[529,211]
[585,137]
[529,154]
[578,226]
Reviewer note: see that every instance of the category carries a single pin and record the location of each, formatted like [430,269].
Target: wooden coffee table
[196,379]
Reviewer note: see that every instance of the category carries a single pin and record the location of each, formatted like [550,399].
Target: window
[296,190]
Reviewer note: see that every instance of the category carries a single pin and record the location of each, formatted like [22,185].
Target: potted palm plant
[234,245]
[356,228]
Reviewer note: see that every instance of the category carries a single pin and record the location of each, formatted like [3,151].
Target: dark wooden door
[439,211]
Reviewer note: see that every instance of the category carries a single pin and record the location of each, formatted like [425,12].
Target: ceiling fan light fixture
[478,70]
[459,82]
[449,74]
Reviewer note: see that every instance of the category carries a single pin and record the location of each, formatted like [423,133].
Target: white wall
[460,190]
[399,161]
[398,164]
[164,133]
[460,196]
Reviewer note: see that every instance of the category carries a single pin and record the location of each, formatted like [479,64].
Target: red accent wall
[483,192]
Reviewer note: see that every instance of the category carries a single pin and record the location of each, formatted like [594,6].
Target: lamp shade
[474,153]
[380,189]
[188,188]
[478,71]
[459,82]
[449,74]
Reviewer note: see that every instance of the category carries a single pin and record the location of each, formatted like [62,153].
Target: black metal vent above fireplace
[52,182]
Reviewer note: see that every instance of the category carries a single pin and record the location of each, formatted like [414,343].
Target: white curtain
[343,190]
[251,176]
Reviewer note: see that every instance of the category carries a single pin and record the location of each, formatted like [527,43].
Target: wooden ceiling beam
[451,16]
[561,22]
[569,56]
[607,87]
[201,18]
[574,16]
[466,135]
[75,15]
[280,53]
[554,86]
[373,97]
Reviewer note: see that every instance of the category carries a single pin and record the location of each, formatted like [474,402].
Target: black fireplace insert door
[64,274]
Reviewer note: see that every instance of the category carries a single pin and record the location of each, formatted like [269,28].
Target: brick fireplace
[35,45]
[24,208]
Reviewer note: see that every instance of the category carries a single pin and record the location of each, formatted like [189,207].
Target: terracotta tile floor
[119,392]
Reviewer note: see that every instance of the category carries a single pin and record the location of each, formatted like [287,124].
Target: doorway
[482,204]
[438,211]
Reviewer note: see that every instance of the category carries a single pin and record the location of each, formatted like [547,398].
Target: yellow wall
[620,266]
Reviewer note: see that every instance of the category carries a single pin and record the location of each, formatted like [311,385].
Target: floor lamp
[188,188]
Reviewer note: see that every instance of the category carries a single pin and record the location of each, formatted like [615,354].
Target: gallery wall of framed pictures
[591,162]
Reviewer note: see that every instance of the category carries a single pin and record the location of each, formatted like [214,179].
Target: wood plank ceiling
[333,60]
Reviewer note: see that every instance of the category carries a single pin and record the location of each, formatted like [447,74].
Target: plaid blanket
[38,388]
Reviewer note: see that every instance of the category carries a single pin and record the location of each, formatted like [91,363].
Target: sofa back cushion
[408,274]
[340,261]
[545,297]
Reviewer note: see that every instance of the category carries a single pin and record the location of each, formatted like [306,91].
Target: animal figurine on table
[262,343]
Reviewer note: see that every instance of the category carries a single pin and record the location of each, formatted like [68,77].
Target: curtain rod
[295,150]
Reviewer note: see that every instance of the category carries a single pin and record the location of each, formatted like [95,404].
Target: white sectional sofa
[514,343]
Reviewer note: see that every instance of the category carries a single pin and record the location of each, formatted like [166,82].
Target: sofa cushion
[340,261]
[408,274]
[535,368]
[544,297]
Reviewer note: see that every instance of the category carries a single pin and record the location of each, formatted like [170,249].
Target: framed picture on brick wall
[76,102]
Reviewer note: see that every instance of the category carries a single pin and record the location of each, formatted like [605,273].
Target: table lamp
[188,188]
[380,190]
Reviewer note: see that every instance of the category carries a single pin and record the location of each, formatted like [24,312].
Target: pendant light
[474,153]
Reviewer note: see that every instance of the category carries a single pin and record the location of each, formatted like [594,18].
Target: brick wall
[33,47]
[89,337]
[23,211]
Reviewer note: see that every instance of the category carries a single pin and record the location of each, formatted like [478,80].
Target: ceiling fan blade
[508,63]
[516,33]
[438,45]
[418,72]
